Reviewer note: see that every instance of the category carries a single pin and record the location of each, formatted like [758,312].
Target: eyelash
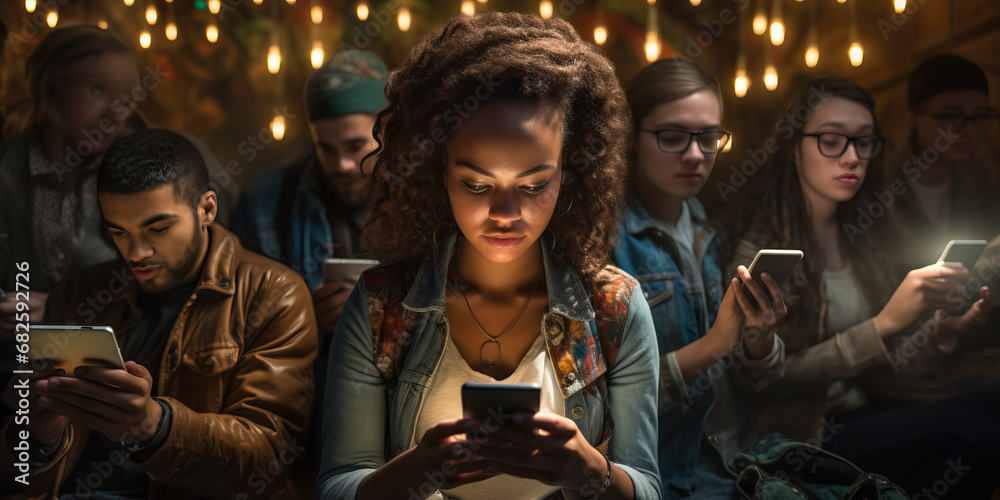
[481,188]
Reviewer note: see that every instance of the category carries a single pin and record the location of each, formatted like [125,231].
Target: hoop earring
[569,207]
[434,236]
[552,247]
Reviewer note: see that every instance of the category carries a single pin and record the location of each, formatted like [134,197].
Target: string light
[278,127]
[212,33]
[899,6]
[812,56]
[482,1]
[652,45]
[770,77]
[145,39]
[214,6]
[151,14]
[273,59]
[545,9]
[291,2]
[856,53]
[600,35]
[128,3]
[695,2]
[777,26]
[316,13]
[728,146]
[812,52]
[102,24]
[468,7]
[317,56]
[403,19]
[29,5]
[52,19]
[741,83]
[841,1]
[760,19]
[362,11]
[171,31]
[258,2]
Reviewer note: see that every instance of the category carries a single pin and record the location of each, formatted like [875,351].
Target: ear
[208,208]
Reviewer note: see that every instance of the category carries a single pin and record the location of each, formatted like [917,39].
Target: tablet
[70,346]
[347,271]
[484,402]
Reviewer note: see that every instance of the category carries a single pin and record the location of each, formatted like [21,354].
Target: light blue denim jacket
[356,420]
[683,310]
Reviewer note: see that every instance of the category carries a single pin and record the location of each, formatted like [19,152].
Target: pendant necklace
[489,352]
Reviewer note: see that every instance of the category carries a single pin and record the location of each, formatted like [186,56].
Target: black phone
[966,252]
[778,263]
[498,402]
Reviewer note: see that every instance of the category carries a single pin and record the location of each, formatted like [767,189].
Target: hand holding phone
[68,347]
[498,402]
[778,263]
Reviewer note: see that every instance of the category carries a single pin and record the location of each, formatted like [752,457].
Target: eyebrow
[148,222]
[841,125]
[667,125]
[530,171]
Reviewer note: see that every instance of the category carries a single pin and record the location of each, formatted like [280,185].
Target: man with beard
[315,208]
[215,395]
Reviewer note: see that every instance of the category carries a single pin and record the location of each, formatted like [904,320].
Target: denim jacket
[683,312]
[310,239]
[356,419]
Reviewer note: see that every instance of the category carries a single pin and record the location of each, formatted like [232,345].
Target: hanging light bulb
[403,19]
[273,59]
[600,35]
[696,2]
[482,1]
[214,6]
[362,11]
[777,25]
[468,8]
[291,2]
[29,5]
[812,56]
[171,31]
[741,83]
[258,2]
[760,19]
[728,146]
[899,6]
[212,33]
[857,54]
[652,46]
[128,3]
[316,57]
[770,77]
[145,39]
[841,1]
[278,127]
[316,13]
[545,9]
[777,32]
[151,14]
[102,24]
[52,19]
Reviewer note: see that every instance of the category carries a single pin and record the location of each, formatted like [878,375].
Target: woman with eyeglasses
[710,343]
[850,318]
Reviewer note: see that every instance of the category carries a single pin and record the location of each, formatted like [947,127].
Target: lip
[849,179]
[503,242]
[146,273]
[691,177]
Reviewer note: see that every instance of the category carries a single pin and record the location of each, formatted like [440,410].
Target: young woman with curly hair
[712,342]
[502,162]
[851,321]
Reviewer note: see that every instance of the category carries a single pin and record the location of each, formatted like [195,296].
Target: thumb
[138,370]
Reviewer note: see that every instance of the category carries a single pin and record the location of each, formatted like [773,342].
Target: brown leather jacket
[236,372]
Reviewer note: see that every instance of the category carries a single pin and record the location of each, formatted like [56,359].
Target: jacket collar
[568,296]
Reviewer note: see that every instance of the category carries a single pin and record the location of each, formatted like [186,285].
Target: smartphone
[71,346]
[347,271]
[965,251]
[778,263]
[484,402]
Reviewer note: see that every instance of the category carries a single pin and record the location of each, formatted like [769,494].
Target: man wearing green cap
[302,213]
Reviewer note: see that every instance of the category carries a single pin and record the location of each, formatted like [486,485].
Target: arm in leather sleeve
[266,408]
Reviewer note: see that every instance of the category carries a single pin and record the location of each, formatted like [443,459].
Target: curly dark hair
[509,57]
[775,216]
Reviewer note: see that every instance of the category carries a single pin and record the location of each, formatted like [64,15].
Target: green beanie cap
[350,82]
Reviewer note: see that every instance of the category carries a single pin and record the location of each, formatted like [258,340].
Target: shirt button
[577,412]
[571,377]
[224,283]
[713,439]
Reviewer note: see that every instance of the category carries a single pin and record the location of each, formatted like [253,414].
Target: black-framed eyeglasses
[956,121]
[834,145]
[675,141]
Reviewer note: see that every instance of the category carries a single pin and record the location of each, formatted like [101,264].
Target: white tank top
[443,401]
